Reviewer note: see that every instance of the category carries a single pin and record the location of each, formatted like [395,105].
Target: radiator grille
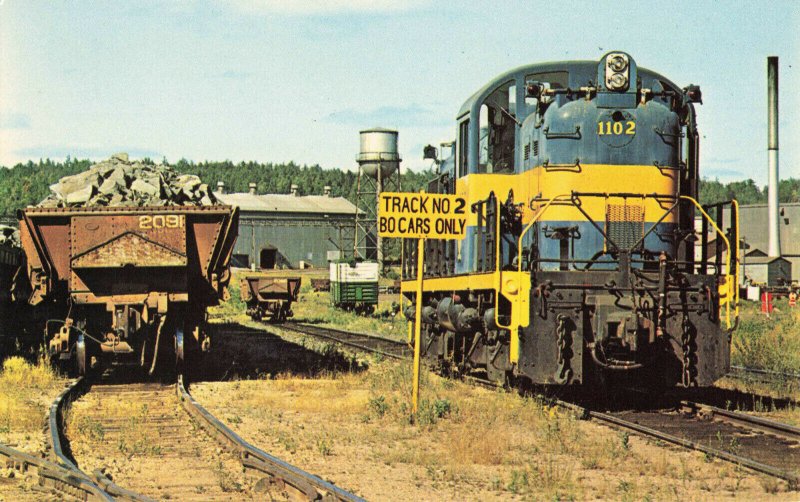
[624,224]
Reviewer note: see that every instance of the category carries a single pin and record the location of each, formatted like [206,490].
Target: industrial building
[290,230]
[754,240]
[763,270]
[754,244]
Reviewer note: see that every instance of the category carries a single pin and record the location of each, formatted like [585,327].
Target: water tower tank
[378,150]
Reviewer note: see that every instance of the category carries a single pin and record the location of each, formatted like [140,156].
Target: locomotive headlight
[617,63]
[617,71]
[617,82]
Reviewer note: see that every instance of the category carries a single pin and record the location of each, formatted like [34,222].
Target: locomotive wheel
[80,355]
[179,353]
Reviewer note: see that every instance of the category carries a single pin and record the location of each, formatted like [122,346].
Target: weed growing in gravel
[325,447]
[378,406]
[132,439]
[25,393]
[91,428]
[287,441]
[430,412]
[227,480]
[518,482]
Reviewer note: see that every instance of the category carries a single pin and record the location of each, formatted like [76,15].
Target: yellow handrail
[499,270]
[721,234]
[540,212]
[735,207]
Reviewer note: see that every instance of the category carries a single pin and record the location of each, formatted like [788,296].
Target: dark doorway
[268,257]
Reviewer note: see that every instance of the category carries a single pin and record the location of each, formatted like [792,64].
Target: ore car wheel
[80,355]
[179,355]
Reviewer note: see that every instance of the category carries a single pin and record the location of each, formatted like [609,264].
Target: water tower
[378,171]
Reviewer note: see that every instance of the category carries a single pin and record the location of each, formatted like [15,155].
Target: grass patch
[771,343]
[25,392]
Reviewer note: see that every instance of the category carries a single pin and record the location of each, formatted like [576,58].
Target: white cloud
[325,7]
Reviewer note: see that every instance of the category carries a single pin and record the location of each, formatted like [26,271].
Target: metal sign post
[417,326]
[420,216]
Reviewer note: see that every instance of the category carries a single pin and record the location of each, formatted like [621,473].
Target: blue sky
[296,80]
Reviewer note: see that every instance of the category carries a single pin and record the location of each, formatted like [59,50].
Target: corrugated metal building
[290,230]
[754,233]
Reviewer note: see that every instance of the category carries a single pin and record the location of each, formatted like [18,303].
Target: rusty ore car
[127,281]
[269,297]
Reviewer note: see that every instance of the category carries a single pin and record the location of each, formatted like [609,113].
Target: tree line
[28,183]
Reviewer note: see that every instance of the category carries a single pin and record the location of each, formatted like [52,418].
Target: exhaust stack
[772,152]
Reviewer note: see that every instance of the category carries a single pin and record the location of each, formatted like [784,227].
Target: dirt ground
[351,427]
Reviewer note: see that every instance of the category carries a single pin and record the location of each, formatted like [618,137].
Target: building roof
[285,203]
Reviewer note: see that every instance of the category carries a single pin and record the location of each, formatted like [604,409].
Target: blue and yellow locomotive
[587,255]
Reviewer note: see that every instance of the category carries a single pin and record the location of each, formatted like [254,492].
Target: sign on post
[421,216]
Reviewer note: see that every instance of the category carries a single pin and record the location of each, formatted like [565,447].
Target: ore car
[127,281]
[579,265]
[269,297]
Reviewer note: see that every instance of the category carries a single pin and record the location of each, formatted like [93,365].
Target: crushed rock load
[119,182]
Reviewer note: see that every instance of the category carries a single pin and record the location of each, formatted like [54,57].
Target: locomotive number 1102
[627,127]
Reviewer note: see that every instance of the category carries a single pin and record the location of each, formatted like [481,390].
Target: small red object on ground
[766,303]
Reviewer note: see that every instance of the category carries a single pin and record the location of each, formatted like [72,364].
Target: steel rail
[766,425]
[315,331]
[763,372]
[755,465]
[70,479]
[279,472]
[343,332]
[53,477]
[694,445]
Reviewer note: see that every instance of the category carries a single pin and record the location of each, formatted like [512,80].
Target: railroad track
[370,343]
[158,451]
[763,445]
[767,376]
[759,444]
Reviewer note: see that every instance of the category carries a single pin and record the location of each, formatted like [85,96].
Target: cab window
[463,148]
[497,131]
